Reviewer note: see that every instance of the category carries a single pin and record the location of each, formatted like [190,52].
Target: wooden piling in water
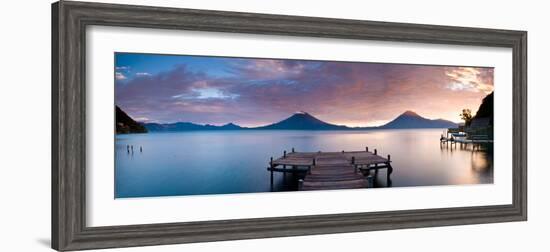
[390,170]
[271,166]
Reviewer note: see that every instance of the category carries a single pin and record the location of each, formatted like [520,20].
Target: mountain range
[305,121]
[187,126]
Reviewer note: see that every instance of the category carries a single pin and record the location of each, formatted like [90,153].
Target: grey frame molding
[69,21]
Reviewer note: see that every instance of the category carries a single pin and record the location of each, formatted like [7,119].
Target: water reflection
[192,163]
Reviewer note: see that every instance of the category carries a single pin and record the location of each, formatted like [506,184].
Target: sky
[253,92]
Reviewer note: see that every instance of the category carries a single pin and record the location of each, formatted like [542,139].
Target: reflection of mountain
[125,124]
[411,120]
[305,121]
[302,121]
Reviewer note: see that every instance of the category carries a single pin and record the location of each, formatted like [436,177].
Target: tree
[466,115]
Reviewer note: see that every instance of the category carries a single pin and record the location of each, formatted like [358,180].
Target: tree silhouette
[466,115]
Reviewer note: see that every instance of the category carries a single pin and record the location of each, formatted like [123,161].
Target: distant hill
[411,120]
[302,121]
[125,124]
[187,126]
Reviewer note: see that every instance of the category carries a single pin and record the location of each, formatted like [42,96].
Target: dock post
[367,149]
[271,166]
[390,171]
[375,152]
[389,157]
[300,184]
[292,149]
[311,166]
[284,154]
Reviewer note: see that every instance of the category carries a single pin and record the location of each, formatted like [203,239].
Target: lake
[219,162]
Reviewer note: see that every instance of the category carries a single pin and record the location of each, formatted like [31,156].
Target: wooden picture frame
[69,20]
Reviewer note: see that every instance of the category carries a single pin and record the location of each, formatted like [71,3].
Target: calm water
[191,163]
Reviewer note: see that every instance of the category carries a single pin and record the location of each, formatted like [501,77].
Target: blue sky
[134,63]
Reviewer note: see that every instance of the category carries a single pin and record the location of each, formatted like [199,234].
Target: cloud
[174,95]
[267,69]
[143,74]
[470,79]
[122,68]
[120,76]
[142,119]
[206,93]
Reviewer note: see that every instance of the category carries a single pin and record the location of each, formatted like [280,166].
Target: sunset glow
[253,92]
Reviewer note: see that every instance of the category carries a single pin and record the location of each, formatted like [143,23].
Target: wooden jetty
[332,170]
[463,136]
[476,141]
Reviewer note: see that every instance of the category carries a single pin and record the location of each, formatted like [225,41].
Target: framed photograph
[178,125]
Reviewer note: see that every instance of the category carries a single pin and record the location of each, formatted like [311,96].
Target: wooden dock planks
[331,170]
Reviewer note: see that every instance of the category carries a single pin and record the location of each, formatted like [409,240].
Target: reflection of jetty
[332,170]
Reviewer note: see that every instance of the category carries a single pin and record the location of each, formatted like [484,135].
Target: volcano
[411,120]
[302,121]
